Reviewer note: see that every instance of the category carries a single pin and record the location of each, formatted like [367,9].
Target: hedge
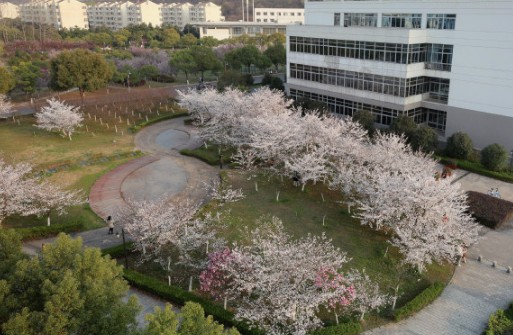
[137,127]
[489,211]
[350,328]
[479,169]
[180,296]
[500,322]
[420,301]
[48,231]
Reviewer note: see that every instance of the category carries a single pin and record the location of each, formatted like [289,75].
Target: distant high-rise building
[444,64]
[58,13]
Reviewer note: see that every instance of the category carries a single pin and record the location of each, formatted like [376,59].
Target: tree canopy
[80,68]
[68,290]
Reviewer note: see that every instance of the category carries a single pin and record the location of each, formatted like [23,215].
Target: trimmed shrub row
[180,296]
[141,125]
[478,168]
[48,231]
[419,302]
[350,328]
[489,211]
[500,322]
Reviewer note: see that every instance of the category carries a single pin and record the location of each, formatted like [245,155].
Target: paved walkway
[163,173]
[477,288]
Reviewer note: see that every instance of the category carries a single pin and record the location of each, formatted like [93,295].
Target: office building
[444,64]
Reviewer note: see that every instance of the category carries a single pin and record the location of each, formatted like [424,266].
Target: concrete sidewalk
[477,289]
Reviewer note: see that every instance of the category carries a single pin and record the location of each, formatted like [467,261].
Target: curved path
[163,173]
[477,289]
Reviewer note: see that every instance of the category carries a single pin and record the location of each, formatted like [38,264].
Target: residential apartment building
[9,10]
[180,14]
[59,13]
[444,64]
[116,15]
[279,15]
[224,30]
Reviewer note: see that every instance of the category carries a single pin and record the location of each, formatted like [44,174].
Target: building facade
[117,15]
[181,14]
[279,15]
[444,64]
[9,10]
[224,30]
[60,14]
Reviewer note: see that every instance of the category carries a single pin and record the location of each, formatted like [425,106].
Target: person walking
[110,224]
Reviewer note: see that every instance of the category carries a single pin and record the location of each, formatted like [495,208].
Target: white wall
[482,71]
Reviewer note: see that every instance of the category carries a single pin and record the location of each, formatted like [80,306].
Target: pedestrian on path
[110,224]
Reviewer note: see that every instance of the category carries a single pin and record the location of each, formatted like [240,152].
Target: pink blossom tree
[59,116]
[54,199]
[275,278]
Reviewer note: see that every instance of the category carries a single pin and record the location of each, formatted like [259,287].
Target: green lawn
[95,149]
[302,213]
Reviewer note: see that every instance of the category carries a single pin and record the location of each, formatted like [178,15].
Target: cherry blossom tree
[367,295]
[275,278]
[390,186]
[59,116]
[18,190]
[53,199]
[170,233]
[6,107]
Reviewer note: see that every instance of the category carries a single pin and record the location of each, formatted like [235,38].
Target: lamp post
[511,160]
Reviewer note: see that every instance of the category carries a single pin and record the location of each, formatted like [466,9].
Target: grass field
[104,142]
[302,213]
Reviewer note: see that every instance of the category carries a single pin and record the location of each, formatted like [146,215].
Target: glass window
[441,21]
[360,19]
[410,21]
[336,19]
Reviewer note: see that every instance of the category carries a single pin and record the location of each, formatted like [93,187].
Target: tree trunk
[362,316]
[303,187]
[190,284]
[277,196]
[48,221]
[322,196]
[225,302]
[256,186]
[168,280]
[394,301]
[323,219]
[336,317]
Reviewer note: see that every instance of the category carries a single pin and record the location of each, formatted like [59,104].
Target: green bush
[489,211]
[460,146]
[479,169]
[500,322]
[180,297]
[366,119]
[419,302]
[494,157]
[425,139]
[48,231]
[403,124]
[350,328]
[274,83]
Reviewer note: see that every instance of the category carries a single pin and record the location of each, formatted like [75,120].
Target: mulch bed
[489,211]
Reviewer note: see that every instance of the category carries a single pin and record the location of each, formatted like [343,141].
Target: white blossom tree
[54,199]
[18,190]
[275,279]
[6,107]
[390,187]
[59,116]
[23,194]
[367,296]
